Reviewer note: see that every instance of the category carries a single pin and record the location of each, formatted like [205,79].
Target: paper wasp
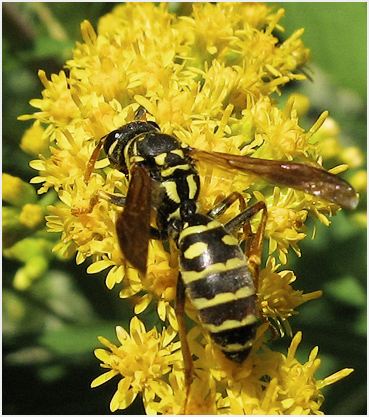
[214,272]
[162,175]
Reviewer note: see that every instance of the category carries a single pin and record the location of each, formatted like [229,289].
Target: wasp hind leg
[224,204]
[254,246]
[254,243]
[186,353]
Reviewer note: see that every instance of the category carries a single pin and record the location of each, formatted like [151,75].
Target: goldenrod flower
[23,217]
[277,298]
[142,359]
[207,79]
[17,192]
[268,383]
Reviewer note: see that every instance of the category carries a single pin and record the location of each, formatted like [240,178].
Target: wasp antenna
[92,161]
[141,114]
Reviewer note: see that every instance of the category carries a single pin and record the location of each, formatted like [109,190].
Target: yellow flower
[141,359]
[17,192]
[276,297]
[267,383]
[31,216]
[207,79]
[282,385]
[31,142]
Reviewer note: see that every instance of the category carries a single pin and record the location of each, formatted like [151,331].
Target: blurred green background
[51,329]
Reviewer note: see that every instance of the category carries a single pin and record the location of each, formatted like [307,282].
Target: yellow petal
[99,266]
[103,378]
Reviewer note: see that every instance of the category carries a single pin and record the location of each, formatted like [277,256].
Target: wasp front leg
[115,199]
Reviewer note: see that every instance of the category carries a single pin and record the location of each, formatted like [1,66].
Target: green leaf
[77,339]
[336,35]
[347,290]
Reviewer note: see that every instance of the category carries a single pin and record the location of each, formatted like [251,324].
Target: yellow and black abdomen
[219,284]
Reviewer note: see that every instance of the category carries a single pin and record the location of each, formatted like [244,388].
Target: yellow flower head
[141,359]
[268,383]
[207,79]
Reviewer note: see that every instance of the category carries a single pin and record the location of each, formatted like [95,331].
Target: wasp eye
[154,125]
[111,141]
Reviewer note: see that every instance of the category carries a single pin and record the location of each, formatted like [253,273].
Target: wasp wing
[307,178]
[133,224]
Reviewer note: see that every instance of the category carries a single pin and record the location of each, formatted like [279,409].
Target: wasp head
[117,141]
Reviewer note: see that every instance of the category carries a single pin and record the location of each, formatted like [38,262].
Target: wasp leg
[223,205]
[141,113]
[115,199]
[254,248]
[93,158]
[254,244]
[186,353]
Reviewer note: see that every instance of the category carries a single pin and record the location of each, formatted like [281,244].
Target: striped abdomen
[219,284]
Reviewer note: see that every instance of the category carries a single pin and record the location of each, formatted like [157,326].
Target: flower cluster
[268,383]
[24,239]
[209,79]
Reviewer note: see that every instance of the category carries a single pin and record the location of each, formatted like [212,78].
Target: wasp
[214,272]
[162,176]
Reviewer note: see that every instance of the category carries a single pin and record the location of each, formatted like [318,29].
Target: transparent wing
[307,178]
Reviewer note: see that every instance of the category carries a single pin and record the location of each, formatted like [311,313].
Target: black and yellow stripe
[212,265]
[219,284]
[163,180]
[172,170]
